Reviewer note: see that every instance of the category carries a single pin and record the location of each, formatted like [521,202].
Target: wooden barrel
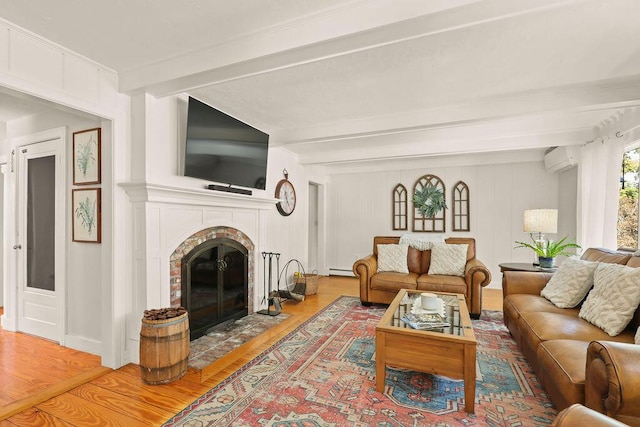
[164,349]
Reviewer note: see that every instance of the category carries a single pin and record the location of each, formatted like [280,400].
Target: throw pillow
[571,283]
[637,338]
[614,298]
[393,258]
[448,259]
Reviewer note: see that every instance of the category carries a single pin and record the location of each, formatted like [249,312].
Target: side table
[524,266]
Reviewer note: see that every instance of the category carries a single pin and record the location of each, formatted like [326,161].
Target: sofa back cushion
[419,261]
[605,255]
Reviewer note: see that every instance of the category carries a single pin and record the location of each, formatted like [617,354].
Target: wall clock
[287,195]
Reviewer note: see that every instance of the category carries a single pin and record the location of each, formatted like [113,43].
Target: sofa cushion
[536,328]
[562,364]
[517,303]
[605,255]
[614,298]
[571,283]
[391,281]
[438,283]
[448,259]
[414,260]
[393,258]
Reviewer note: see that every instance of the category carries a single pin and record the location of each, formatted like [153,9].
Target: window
[628,202]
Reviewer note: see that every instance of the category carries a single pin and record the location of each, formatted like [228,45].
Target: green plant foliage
[86,213]
[429,201]
[85,156]
[550,249]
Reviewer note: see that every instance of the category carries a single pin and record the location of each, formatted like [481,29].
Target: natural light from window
[628,203]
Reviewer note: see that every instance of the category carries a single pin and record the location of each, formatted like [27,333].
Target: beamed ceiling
[349,80]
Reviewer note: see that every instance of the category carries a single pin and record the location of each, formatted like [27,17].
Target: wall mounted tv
[224,150]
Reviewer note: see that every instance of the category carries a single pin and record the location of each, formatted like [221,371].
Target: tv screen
[223,149]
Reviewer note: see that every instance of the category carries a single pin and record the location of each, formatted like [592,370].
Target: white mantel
[146,192]
[162,218]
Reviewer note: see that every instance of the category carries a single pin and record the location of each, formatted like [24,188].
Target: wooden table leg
[381,370]
[469,378]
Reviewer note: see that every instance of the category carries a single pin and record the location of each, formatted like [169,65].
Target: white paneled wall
[360,207]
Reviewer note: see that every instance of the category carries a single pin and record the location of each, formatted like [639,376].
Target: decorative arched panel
[436,222]
[460,207]
[400,203]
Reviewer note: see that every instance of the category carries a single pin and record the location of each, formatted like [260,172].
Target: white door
[40,239]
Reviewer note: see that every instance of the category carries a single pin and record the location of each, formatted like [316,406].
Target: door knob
[17,246]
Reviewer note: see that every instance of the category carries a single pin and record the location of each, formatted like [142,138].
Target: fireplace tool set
[294,290]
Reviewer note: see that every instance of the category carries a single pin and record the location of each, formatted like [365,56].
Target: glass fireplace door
[214,284]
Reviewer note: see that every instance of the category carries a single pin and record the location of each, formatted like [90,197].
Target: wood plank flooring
[69,388]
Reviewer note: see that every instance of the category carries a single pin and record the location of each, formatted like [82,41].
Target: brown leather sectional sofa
[576,361]
[384,286]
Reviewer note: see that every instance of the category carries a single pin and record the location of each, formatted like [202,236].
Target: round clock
[287,195]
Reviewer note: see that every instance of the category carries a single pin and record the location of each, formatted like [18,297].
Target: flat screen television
[223,149]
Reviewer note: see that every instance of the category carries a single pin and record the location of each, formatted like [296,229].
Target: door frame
[11,228]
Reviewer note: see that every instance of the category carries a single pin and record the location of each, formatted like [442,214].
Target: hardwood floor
[63,387]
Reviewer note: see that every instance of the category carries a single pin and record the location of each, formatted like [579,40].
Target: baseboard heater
[340,272]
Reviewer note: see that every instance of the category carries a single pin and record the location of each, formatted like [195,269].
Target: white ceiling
[348,80]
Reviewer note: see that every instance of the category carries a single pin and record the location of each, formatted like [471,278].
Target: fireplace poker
[272,299]
[264,277]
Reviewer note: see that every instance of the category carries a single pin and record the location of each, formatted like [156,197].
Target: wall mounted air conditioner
[560,159]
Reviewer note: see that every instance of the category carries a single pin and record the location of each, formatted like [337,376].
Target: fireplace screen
[214,284]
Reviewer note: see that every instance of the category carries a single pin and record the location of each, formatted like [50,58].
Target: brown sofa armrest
[364,268]
[523,282]
[612,380]
[475,271]
[476,275]
[579,415]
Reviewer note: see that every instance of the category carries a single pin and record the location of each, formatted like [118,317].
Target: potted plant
[548,250]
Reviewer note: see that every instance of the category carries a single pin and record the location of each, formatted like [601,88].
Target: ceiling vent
[560,159]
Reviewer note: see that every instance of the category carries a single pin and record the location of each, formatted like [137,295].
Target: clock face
[287,195]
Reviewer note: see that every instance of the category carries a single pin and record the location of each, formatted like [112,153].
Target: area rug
[323,374]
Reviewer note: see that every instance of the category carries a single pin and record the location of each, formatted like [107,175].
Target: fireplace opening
[215,284]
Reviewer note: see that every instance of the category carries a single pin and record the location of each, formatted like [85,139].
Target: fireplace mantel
[146,192]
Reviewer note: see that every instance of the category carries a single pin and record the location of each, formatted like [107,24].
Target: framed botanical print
[86,157]
[86,214]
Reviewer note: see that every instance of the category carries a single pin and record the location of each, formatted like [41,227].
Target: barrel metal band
[168,323]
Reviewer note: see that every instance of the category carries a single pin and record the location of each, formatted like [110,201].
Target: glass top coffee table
[448,349]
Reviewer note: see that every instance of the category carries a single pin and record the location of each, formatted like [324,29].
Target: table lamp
[540,221]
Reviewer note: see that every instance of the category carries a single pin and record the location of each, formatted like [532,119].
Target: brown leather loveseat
[576,361]
[382,287]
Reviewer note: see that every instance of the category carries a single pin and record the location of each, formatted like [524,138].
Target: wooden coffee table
[449,351]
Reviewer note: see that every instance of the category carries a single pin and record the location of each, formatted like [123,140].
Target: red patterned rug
[323,374]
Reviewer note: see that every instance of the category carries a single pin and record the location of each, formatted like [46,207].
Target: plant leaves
[429,201]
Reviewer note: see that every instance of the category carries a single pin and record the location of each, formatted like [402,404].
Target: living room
[468,91]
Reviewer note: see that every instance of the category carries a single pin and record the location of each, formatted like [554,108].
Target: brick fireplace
[177,273]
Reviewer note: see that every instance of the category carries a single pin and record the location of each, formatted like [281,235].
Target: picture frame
[87,157]
[86,215]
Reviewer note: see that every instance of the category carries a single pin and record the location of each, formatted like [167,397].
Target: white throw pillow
[571,283]
[614,298]
[393,258]
[448,259]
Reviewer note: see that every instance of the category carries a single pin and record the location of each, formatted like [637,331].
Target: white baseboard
[83,344]
[340,272]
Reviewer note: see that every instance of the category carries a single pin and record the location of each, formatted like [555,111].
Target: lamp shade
[541,221]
